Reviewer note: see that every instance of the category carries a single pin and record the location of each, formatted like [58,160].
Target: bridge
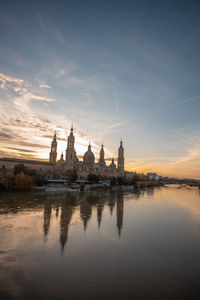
[182,182]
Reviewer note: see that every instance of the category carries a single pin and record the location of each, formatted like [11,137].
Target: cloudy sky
[114,69]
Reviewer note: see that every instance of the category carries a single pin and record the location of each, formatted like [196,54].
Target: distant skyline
[114,69]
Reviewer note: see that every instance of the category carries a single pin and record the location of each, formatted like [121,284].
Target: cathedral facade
[70,162]
[88,164]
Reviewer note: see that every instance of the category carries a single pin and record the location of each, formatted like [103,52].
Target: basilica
[70,162]
[88,164]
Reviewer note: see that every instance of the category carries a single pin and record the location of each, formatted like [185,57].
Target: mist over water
[118,244]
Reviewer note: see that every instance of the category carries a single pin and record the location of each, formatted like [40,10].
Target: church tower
[70,151]
[53,153]
[102,162]
[121,157]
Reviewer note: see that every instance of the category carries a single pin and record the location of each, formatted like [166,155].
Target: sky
[115,69]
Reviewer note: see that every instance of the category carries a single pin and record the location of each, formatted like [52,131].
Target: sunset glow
[109,79]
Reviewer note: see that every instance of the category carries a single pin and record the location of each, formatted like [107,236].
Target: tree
[93,177]
[23,182]
[30,172]
[39,179]
[26,170]
[120,180]
[72,175]
[3,185]
[10,178]
[19,168]
[113,181]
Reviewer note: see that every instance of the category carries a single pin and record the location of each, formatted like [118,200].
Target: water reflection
[120,209]
[72,241]
[85,211]
[65,218]
[47,217]
[87,204]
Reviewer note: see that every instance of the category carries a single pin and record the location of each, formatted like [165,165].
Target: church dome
[112,165]
[88,157]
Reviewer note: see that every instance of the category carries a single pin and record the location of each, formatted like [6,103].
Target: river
[101,244]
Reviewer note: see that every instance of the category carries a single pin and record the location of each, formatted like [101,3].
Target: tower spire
[101,156]
[53,153]
[71,131]
[121,157]
[70,151]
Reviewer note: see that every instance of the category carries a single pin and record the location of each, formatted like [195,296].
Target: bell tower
[121,157]
[53,153]
[70,151]
[101,157]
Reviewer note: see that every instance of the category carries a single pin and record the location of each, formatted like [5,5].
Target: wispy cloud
[186,100]
[21,150]
[59,36]
[191,155]
[118,124]
[22,88]
[46,86]
[5,136]
[41,21]
[185,128]
[5,80]
[23,92]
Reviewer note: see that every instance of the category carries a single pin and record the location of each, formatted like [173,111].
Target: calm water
[101,245]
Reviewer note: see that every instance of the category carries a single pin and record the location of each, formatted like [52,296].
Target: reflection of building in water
[100,206]
[65,204]
[65,218]
[120,210]
[137,194]
[150,191]
[111,203]
[47,217]
[57,210]
[85,211]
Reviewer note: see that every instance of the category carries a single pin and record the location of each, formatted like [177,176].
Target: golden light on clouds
[29,118]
